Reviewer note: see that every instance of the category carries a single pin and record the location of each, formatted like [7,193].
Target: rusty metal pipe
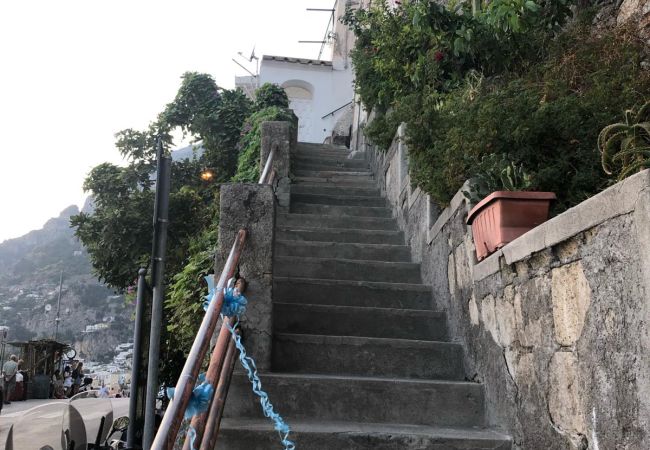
[219,401]
[173,417]
[212,377]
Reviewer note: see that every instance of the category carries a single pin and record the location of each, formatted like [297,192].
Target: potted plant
[625,147]
[504,208]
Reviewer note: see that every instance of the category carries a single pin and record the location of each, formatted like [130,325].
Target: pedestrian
[18,388]
[9,371]
[67,382]
[77,378]
[57,385]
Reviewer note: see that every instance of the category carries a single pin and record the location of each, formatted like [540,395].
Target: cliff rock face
[635,11]
[30,269]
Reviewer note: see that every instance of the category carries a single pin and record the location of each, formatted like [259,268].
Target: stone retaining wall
[556,325]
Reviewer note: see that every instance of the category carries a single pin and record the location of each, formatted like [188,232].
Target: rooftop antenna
[250,59]
[330,35]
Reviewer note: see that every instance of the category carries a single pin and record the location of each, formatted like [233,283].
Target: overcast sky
[74,72]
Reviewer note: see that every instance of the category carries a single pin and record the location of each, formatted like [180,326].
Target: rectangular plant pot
[503,216]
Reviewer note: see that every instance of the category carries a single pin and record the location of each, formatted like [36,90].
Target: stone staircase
[360,360]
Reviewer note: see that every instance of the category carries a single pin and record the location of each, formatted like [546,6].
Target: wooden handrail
[171,422]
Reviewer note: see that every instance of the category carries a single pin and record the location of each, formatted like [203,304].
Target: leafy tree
[270,95]
[118,233]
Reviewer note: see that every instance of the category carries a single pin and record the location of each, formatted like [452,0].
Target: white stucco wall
[330,89]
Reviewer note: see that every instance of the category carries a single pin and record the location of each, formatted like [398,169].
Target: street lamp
[207,175]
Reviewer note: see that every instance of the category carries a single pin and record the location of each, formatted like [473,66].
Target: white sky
[74,72]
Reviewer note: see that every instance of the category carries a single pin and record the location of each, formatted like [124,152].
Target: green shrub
[548,119]
[248,165]
[269,95]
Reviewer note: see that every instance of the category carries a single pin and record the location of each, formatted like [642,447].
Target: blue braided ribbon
[267,408]
[234,304]
[199,400]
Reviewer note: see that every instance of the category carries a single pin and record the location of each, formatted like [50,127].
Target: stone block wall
[556,325]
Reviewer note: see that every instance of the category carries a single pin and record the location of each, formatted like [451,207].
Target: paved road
[39,422]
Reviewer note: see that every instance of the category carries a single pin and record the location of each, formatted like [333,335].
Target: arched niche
[301,101]
[298,89]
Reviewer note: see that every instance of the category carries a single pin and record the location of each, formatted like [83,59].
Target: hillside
[30,267]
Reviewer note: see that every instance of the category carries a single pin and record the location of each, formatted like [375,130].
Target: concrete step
[258,434]
[367,356]
[322,221]
[329,161]
[351,293]
[320,167]
[369,252]
[340,235]
[335,175]
[322,151]
[335,320]
[341,210]
[332,190]
[328,156]
[346,269]
[321,147]
[354,182]
[342,200]
[361,399]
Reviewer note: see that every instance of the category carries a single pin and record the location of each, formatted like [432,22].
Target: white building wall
[330,90]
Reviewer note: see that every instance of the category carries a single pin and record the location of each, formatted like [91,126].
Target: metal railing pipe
[211,376]
[267,167]
[171,422]
[219,402]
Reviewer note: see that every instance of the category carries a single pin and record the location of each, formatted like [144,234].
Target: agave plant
[625,147]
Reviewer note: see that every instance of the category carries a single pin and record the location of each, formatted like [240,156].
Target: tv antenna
[330,34]
[249,59]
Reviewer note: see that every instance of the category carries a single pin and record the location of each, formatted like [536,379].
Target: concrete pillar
[279,135]
[252,207]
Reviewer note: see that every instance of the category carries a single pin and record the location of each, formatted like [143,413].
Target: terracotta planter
[503,216]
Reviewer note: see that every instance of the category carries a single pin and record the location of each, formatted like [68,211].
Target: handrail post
[277,137]
[253,206]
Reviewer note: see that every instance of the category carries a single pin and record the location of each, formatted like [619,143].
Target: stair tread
[363,379]
[339,196]
[335,243]
[374,284]
[389,343]
[350,261]
[334,230]
[301,426]
[363,309]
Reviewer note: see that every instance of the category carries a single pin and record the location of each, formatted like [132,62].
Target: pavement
[39,422]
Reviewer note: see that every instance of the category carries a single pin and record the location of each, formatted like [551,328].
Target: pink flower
[439,56]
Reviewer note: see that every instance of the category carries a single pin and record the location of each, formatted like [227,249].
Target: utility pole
[161,222]
[58,308]
[138,377]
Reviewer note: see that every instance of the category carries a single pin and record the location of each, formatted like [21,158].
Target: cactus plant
[625,147]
